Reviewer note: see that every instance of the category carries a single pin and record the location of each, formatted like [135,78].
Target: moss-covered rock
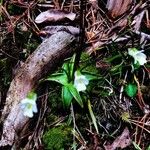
[57,138]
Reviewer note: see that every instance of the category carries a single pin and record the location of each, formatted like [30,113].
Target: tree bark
[43,60]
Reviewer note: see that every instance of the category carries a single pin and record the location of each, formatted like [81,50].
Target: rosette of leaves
[66,79]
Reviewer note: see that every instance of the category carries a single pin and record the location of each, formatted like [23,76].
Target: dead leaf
[138,20]
[118,7]
[94,3]
[54,15]
[121,141]
[102,65]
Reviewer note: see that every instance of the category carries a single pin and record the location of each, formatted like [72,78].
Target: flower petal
[86,81]
[80,81]
[141,58]
[28,113]
[29,106]
[137,55]
[28,101]
[24,101]
[80,87]
[35,110]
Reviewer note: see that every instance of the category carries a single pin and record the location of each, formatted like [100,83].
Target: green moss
[87,63]
[14,9]
[32,45]
[5,72]
[57,138]
[55,100]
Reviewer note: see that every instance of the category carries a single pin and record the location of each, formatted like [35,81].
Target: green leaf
[66,96]
[136,66]
[65,68]
[75,94]
[92,116]
[71,66]
[131,90]
[68,67]
[136,146]
[117,68]
[90,76]
[58,77]
[148,147]
[112,58]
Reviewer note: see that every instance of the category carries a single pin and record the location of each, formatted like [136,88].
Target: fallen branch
[50,52]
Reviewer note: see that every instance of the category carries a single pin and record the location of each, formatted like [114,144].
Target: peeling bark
[49,53]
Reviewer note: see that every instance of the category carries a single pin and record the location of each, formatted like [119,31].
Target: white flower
[80,81]
[137,55]
[28,105]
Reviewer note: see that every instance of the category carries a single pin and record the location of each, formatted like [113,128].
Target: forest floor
[114,46]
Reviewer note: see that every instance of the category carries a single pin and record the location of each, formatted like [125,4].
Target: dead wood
[118,7]
[49,53]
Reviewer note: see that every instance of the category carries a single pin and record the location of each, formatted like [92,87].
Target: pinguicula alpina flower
[139,56]
[28,105]
[80,81]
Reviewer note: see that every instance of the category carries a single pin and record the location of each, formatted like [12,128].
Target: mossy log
[43,60]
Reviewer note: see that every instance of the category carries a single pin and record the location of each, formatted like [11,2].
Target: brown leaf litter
[54,15]
[121,141]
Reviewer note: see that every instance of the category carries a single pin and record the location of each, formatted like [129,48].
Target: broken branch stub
[43,60]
